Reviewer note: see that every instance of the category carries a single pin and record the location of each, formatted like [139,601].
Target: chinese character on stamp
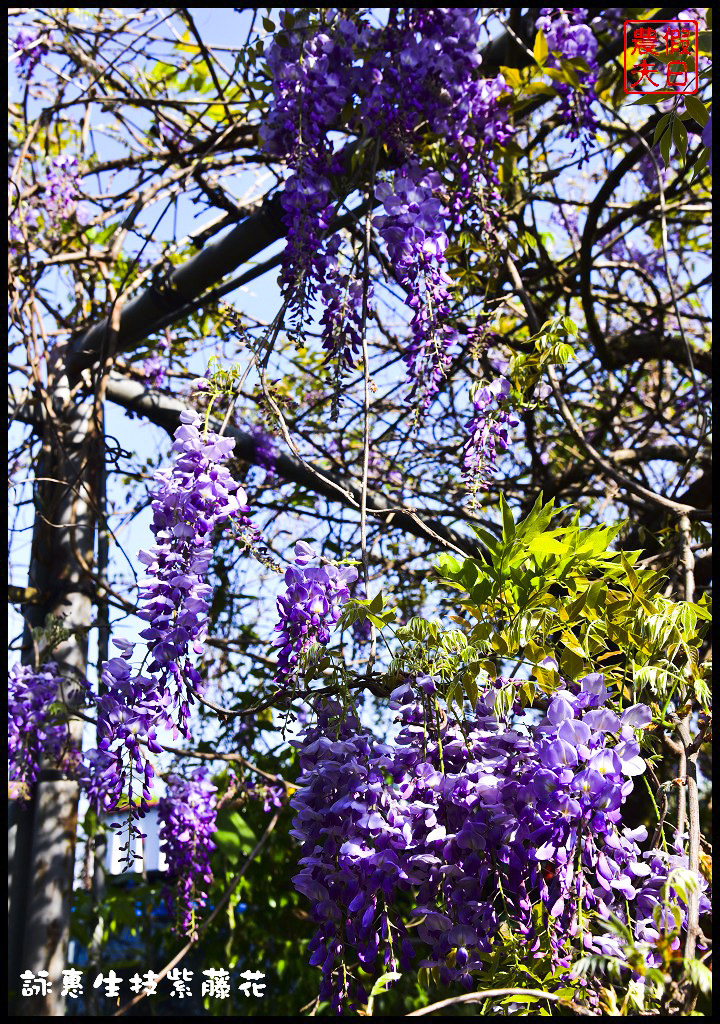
[660,57]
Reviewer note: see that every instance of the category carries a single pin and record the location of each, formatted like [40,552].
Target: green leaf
[508,521]
[697,109]
[548,678]
[568,73]
[571,663]
[631,574]
[486,538]
[447,565]
[228,842]
[380,623]
[680,136]
[701,162]
[548,544]
[665,144]
[481,591]
[380,986]
[470,573]
[652,98]
[699,974]
[705,42]
[570,326]
[572,644]
[541,51]
[577,606]
[579,63]
[242,828]
[660,127]
[512,77]
[384,982]
[471,691]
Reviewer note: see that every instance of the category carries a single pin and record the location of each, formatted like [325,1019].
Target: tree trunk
[44,831]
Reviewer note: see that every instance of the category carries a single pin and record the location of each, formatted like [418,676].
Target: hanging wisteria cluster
[193,497]
[413,229]
[488,432]
[187,816]
[30,47]
[155,366]
[61,190]
[129,712]
[343,75]
[465,831]
[34,732]
[312,602]
[266,451]
[55,204]
[568,33]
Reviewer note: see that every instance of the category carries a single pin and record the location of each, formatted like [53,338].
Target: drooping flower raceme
[568,33]
[31,47]
[413,228]
[266,451]
[488,432]
[57,203]
[345,73]
[155,366]
[34,732]
[61,191]
[466,830]
[129,710]
[187,816]
[707,139]
[312,602]
[350,867]
[191,499]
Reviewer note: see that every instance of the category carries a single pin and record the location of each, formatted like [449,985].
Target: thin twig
[496,993]
[366,401]
[607,467]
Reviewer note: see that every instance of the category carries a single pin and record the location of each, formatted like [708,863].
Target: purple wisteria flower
[311,604]
[192,498]
[472,828]
[413,229]
[271,795]
[154,370]
[129,710]
[34,732]
[342,299]
[707,139]
[266,451]
[155,366]
[187,818]
[488,432]
[31,48]
[61,190]
[58,203]
[569,34]
[346,73]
